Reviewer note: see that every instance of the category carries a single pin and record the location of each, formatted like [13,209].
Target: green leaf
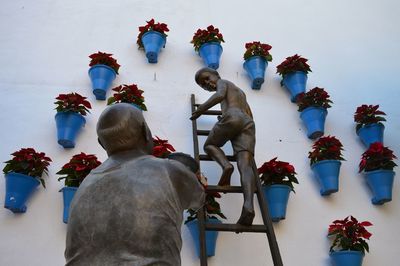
[110,100]
[42,181]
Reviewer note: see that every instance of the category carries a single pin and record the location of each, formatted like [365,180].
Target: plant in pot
[128,94]
[102,72]
[325,162]
[277,178]
[369,127]
[256,59]
[208,44]
[162,148]
[74,172]
[71,109]
[23,174]
[152,38]
[313,106]
[294,72]
[212,212]
[349,245]
[377,164]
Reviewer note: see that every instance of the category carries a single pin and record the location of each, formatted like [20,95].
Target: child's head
[207,78]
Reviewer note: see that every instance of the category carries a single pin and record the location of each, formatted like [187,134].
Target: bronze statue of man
[129,210]
[235,125]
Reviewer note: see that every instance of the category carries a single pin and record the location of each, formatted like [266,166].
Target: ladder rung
[204,157]
[235,228]
[224,189]
[212,112]
[203,132]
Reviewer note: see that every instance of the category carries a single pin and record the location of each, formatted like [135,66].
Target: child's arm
[216,98]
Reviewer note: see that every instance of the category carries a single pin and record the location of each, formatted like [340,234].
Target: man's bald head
[122,127]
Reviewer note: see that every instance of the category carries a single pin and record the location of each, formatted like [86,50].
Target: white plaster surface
[353,50]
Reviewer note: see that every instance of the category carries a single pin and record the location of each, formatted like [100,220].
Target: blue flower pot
[19,188]
[277,199]
[211,236]
[381,184]
[68,195]
[347,258]
[211,53]
[314,120]
[153,41]
[68,126]
[101,76]
[371,133]
[295,83]
[255,67]
[327,173]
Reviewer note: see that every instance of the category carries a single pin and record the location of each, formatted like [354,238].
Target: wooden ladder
[203,226]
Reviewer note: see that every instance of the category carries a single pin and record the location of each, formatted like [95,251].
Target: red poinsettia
[326,148]
[161,148]
[257,49]
[78,168]
[277,172]
[317,97]
[211,34]
[377,157]
[104,59]
[72,102]
[212,207]
[151,26]
[128,94]
[349,234]
[28,162]
[368,114]
[293,64]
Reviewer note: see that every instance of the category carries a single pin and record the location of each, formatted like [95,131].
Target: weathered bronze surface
[235,125]
[129,210]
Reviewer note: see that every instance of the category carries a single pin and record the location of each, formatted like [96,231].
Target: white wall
[352,47]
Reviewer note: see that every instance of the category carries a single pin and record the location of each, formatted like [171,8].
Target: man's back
[137,221]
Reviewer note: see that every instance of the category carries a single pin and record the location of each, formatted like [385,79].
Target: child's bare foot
[225,179]
[247,216]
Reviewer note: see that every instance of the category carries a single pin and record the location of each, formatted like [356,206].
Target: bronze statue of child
[235,125]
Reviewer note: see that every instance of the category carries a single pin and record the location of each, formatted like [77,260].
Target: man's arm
[187,186]
[216,98]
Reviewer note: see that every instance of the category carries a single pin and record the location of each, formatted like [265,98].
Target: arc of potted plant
[161,148]
[313,107]
[369,127]
[256,59]
[208,44]
[377,164]
[294,72]
[74,173]
[71,109]
[325,162]
[23,174]
[277,179]
[349,245]
[128,94]
[102,72]
[152,38]
[212,210]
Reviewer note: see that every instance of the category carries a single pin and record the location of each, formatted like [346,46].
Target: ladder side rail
[194,132]
[201,212]
[273,244]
